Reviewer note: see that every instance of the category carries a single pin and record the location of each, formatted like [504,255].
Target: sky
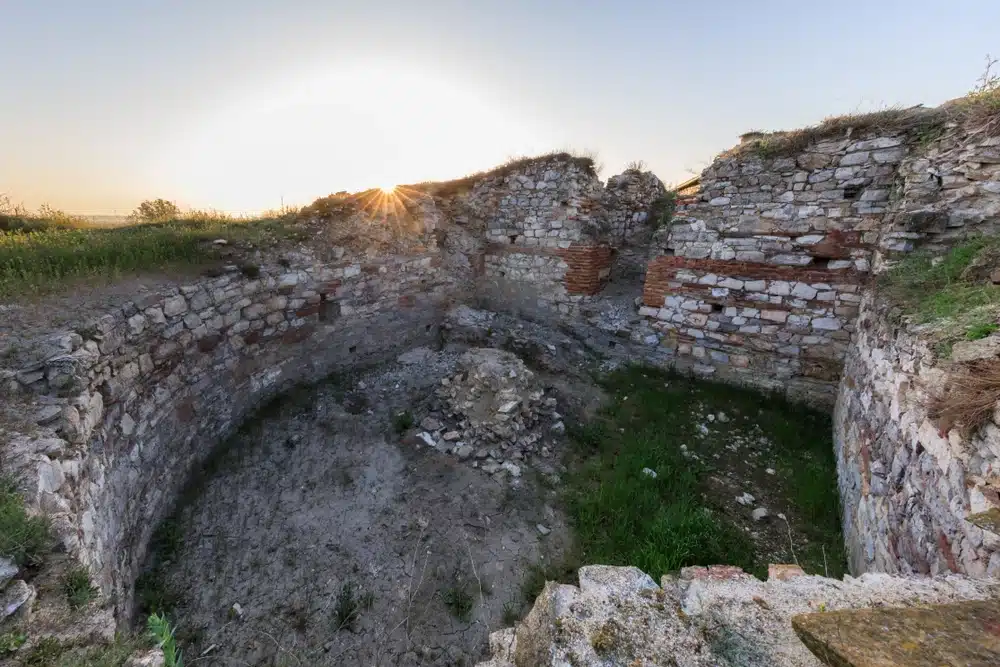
[246,105]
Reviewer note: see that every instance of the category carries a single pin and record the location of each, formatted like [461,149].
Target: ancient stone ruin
[765,277]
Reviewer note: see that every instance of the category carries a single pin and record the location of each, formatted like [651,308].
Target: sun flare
[388,123]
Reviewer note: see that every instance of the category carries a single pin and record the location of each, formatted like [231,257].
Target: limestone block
[175,306]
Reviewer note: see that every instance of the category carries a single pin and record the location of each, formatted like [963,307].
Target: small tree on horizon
[156,210]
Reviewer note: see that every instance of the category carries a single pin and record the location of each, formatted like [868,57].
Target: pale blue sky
[238,104]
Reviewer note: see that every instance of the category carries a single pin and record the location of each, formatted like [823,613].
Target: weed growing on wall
[24,539]
[10,642]
[77,588]
[955,292]
[636,498]
[661,211]
[163,634]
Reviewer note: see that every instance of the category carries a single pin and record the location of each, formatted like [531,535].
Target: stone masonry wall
[126,407]
[761,276]
[628,200]
[551,227]
[946,192]
[758,282]
[912,493]
[917,495]
[781,327]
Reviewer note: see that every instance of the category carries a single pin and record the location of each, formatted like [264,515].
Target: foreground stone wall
[918,496]
[702,616]
[127,406]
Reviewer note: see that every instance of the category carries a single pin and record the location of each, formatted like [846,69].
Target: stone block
[804,291]
[155,315]
[175,306]
[962,633]
[827,323]
[854,159]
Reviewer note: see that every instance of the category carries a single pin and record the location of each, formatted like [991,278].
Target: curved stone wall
[911,492]
[919,496]
[126,406]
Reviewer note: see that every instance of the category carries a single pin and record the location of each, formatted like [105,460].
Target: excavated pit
[327,531]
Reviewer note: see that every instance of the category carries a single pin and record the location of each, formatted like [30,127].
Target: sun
[388,189]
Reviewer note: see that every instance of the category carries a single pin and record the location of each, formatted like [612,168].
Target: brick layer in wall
[780,322]
[589,267]
[661,277]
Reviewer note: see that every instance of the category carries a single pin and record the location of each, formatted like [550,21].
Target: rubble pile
[492,412]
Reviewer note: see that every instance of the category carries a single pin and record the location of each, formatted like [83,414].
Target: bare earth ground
[312,498]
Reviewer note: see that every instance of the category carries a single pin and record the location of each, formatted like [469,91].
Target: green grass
[952,292]
[10,642]
[163,634]
[402,422]
[37,256]
[623,517]
[459,602]
[24,539]
[77,588]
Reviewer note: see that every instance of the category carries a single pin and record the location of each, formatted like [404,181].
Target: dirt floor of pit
[339,543]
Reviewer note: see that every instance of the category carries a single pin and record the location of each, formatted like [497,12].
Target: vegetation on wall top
[462,185]
[978,112]
[955,293]
[44,250]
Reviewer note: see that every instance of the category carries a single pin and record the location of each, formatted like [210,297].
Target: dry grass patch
[978,113]
[917,120]
[462,185]
[369,220]
[970,398]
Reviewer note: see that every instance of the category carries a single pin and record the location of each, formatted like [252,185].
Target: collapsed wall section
[631,200]
[553,231]
[125,408]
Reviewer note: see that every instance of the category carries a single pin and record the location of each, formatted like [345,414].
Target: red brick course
[589,267]
[663,270]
